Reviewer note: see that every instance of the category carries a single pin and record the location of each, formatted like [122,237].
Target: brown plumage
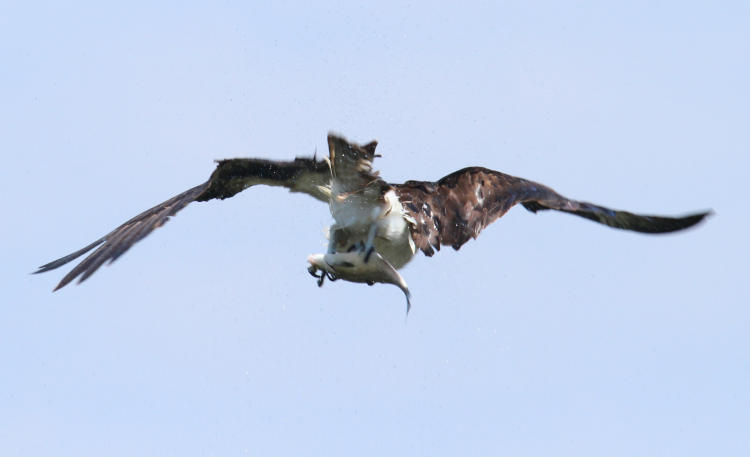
[230,177]
[449,211]
[351,164]
[454,209]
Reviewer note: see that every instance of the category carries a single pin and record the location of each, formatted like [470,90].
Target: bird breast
[393,240]
[356,212]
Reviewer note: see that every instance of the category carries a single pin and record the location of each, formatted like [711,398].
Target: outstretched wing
[457,207]
[306,175]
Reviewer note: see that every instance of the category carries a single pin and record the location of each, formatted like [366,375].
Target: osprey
[378,227]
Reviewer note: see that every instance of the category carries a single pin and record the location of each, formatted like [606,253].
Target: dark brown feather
[230,177]
[457,207]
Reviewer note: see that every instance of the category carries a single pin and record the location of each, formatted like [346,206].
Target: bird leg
[332,239]
[369,247]
[368,253]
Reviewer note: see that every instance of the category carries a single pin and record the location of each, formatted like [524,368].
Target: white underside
[355,215]
[362,221]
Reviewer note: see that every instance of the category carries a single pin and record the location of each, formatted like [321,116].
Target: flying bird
[378,226]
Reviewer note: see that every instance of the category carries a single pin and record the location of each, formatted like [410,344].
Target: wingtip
[676,224]
[697,218]
[64,282]
[46,267]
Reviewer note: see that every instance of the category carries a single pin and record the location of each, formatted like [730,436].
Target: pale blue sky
[549,335]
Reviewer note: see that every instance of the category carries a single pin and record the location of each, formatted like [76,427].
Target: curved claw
[321,277]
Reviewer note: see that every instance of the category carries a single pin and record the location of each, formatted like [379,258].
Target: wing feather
[456,208]
[305,175]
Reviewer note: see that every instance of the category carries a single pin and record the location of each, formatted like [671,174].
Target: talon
[369,252]
[313,272]
[331,276]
